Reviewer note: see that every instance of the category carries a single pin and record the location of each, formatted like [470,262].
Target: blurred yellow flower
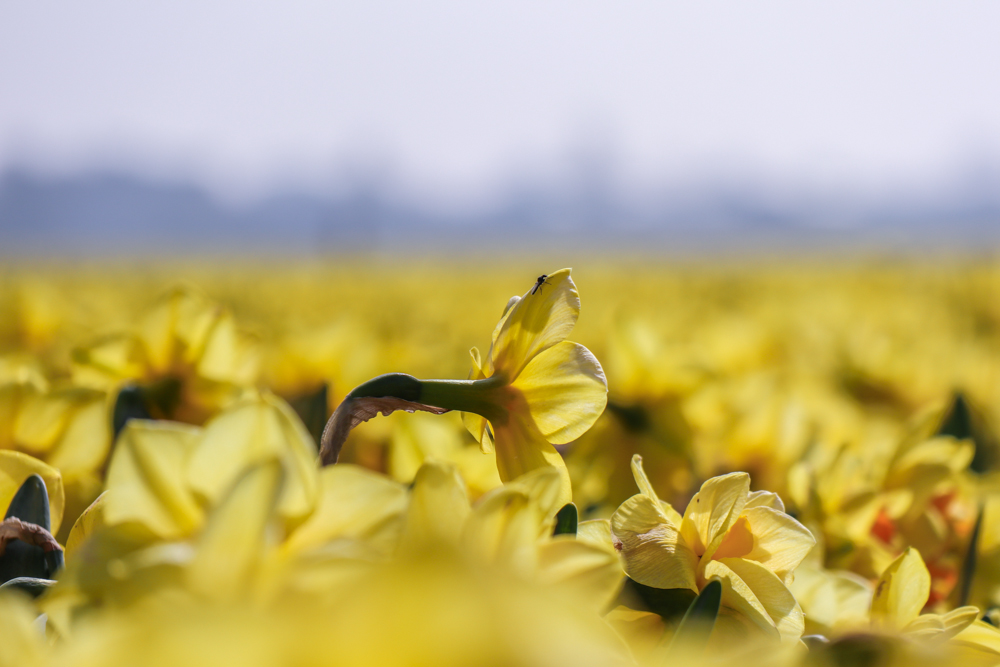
[188,352]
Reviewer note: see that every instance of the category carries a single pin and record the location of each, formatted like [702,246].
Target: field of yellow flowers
[787,462]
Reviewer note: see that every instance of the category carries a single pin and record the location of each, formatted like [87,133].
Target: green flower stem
[482,397]
[398,391]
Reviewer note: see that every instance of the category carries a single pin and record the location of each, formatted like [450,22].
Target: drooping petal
[901,591]
[565,389]
[779,541]
[535,323]
[783,611]
[15,467]
[521,448]
[714,510]
[652,548]
[146,478]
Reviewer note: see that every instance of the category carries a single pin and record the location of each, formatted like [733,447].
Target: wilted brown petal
[15,529]
[354,411]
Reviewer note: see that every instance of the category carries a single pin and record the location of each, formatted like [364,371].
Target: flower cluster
[752,474]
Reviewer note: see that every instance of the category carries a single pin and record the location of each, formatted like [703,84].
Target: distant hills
[108,213]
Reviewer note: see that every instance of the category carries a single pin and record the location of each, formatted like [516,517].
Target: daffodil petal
[764,499]
[521,448]
[438,507]
[565,389]
[901,591]
[783,611]
[641,480]
[146,481]
[653,551]
[779,541]
[91,520]
[233,542]
[256,430]
[84,444]
[535,323]
[595,574]
[714,510]
[354,503]
[596,532]
[504,528]
[980,636]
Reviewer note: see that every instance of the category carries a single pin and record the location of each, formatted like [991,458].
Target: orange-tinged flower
[743,539]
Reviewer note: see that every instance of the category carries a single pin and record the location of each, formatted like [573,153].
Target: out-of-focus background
[316,128]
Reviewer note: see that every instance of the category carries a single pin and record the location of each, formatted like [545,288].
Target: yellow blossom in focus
[743,539]
[547,390]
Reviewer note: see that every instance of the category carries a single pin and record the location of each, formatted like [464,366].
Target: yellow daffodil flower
[743,539]
[535,388]
[540,388]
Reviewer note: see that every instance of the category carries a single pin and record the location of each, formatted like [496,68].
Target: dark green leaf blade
[567,520]
[31,505]
[696,626]
[130,404]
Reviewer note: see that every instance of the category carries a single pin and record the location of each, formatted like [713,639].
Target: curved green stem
[399,391]
[478,396]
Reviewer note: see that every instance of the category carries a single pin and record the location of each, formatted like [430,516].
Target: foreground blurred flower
[743,539]
[534,389]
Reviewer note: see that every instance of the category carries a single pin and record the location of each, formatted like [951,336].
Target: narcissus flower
[533,390]
[540,389]
[743,539]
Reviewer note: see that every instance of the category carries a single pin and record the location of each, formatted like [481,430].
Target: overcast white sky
[451,97]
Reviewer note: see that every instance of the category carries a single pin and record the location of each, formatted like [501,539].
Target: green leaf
[33,586]
[696,626]
[566,520]
[669,603]
[31,505]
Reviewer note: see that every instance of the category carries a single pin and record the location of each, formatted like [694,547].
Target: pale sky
[454,98]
